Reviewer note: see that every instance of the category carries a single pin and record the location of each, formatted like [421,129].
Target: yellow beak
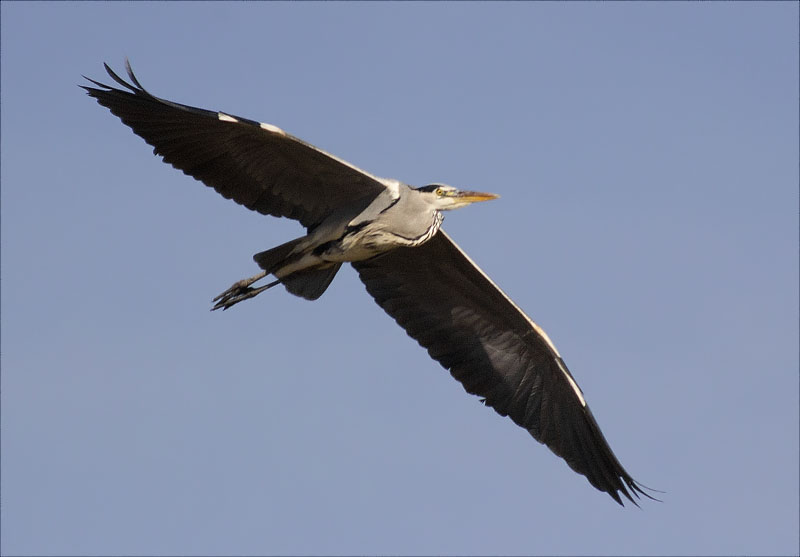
[473,196]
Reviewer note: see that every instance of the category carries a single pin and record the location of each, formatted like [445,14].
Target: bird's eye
[440,192]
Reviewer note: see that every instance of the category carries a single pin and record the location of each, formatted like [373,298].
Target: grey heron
[390,233]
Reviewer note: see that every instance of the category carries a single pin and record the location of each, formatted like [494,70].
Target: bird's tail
[275,258]
[308,283]
[311,284]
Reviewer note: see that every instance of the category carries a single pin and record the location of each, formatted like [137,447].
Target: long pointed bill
[473,196]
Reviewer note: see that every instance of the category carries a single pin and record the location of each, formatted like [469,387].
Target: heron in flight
[391,234]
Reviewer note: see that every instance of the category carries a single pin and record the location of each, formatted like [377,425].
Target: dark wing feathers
[258,166]
[467,324]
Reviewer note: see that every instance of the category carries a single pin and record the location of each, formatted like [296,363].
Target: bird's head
[444,197]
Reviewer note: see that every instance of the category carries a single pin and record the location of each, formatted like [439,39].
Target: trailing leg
[240,291]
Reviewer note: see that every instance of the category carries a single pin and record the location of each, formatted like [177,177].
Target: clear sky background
[647,159]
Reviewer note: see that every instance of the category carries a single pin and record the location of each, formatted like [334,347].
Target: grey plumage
[391,234]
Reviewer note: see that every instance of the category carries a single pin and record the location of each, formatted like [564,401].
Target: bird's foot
[240,291]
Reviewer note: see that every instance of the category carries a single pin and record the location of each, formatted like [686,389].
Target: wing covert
[257,165]
[445,302]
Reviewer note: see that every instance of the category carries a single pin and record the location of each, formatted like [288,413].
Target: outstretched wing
[257,165]
[445,302]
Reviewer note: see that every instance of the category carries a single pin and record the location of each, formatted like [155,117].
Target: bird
[390,232]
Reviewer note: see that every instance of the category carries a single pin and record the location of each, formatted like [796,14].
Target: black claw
[235,294]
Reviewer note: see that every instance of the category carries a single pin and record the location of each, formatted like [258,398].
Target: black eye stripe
[430,187]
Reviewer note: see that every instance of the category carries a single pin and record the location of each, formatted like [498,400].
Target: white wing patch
[272,129]
[572,382]
[392,185]
[226,118]
[533,325]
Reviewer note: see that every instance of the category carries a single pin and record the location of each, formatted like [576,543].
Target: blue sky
[647,159]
